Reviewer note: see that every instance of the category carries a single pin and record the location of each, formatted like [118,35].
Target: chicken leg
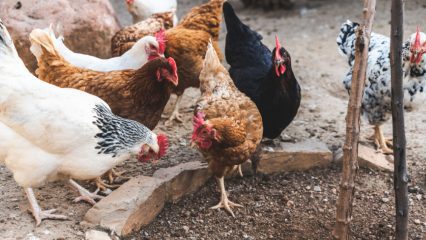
[381,142]
[39,214]
[175,114]
[85,195]
[224,201]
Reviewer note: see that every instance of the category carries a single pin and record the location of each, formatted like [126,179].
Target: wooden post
[350,149]
[399,143]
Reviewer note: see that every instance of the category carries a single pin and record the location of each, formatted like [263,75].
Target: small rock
[417,221]
[385,200]
[308,187]
[369,158]
[290,203]
[97,235]
[317,189]
[186,229]
[419,197]
[334,191]
[294,157]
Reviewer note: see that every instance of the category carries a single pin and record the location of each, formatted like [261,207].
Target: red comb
[163,143]
[277,47]
[130,1]
[417,41]
[197,122]
[160,36]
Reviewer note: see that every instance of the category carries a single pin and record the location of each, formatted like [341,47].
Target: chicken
[49,133]
[376,102]
[125,91]
[124,39]
[267,78]
[144,49]
[140,95]
[142,9]
[227,125]
[187,44]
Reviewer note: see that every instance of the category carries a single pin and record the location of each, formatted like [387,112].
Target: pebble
[308,187]
[317,189]
[334,191]
[290,203]
[186,229]
[419,197]
[385,200]
[417,221]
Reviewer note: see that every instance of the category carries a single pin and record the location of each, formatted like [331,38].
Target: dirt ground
[284,206]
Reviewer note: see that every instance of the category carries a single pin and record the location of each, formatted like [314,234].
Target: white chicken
[145,49]
[49,133]
[142,9]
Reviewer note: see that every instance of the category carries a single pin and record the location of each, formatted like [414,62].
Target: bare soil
[283,206]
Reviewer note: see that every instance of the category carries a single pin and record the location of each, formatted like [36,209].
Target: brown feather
[133,94]
[124,39]
[187,42]
[231,113]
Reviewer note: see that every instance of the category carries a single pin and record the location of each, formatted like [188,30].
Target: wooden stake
[399,143]
[350,149]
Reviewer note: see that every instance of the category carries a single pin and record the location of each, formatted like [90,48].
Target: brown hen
[187,44]
[227,125]
[124,39]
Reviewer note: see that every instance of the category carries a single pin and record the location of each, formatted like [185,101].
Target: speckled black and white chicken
[376,103]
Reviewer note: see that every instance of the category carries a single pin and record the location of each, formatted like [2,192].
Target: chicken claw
[85,195]
[238,168]
[224,201]
[103,186]
[39,214]
[114,174]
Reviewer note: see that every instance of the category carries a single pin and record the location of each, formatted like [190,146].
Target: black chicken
[267,78]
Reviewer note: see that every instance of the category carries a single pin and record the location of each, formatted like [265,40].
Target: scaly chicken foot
[85,195]
[224,201]
[175,114]
[39,214]
[381,142]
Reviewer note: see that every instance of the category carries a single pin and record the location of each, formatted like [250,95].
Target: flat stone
[294,157]
[97,235]
[370,158]
[183,179]
[137,202]
[133,205]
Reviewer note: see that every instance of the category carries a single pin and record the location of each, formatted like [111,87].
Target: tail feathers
[7,48]
[236,29]
[346,38]
[211,60]
[43,39]
[206,17]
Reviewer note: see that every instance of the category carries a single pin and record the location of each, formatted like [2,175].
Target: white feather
[134,58]
[142,9]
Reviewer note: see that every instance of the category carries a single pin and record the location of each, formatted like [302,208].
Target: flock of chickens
[104,110]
